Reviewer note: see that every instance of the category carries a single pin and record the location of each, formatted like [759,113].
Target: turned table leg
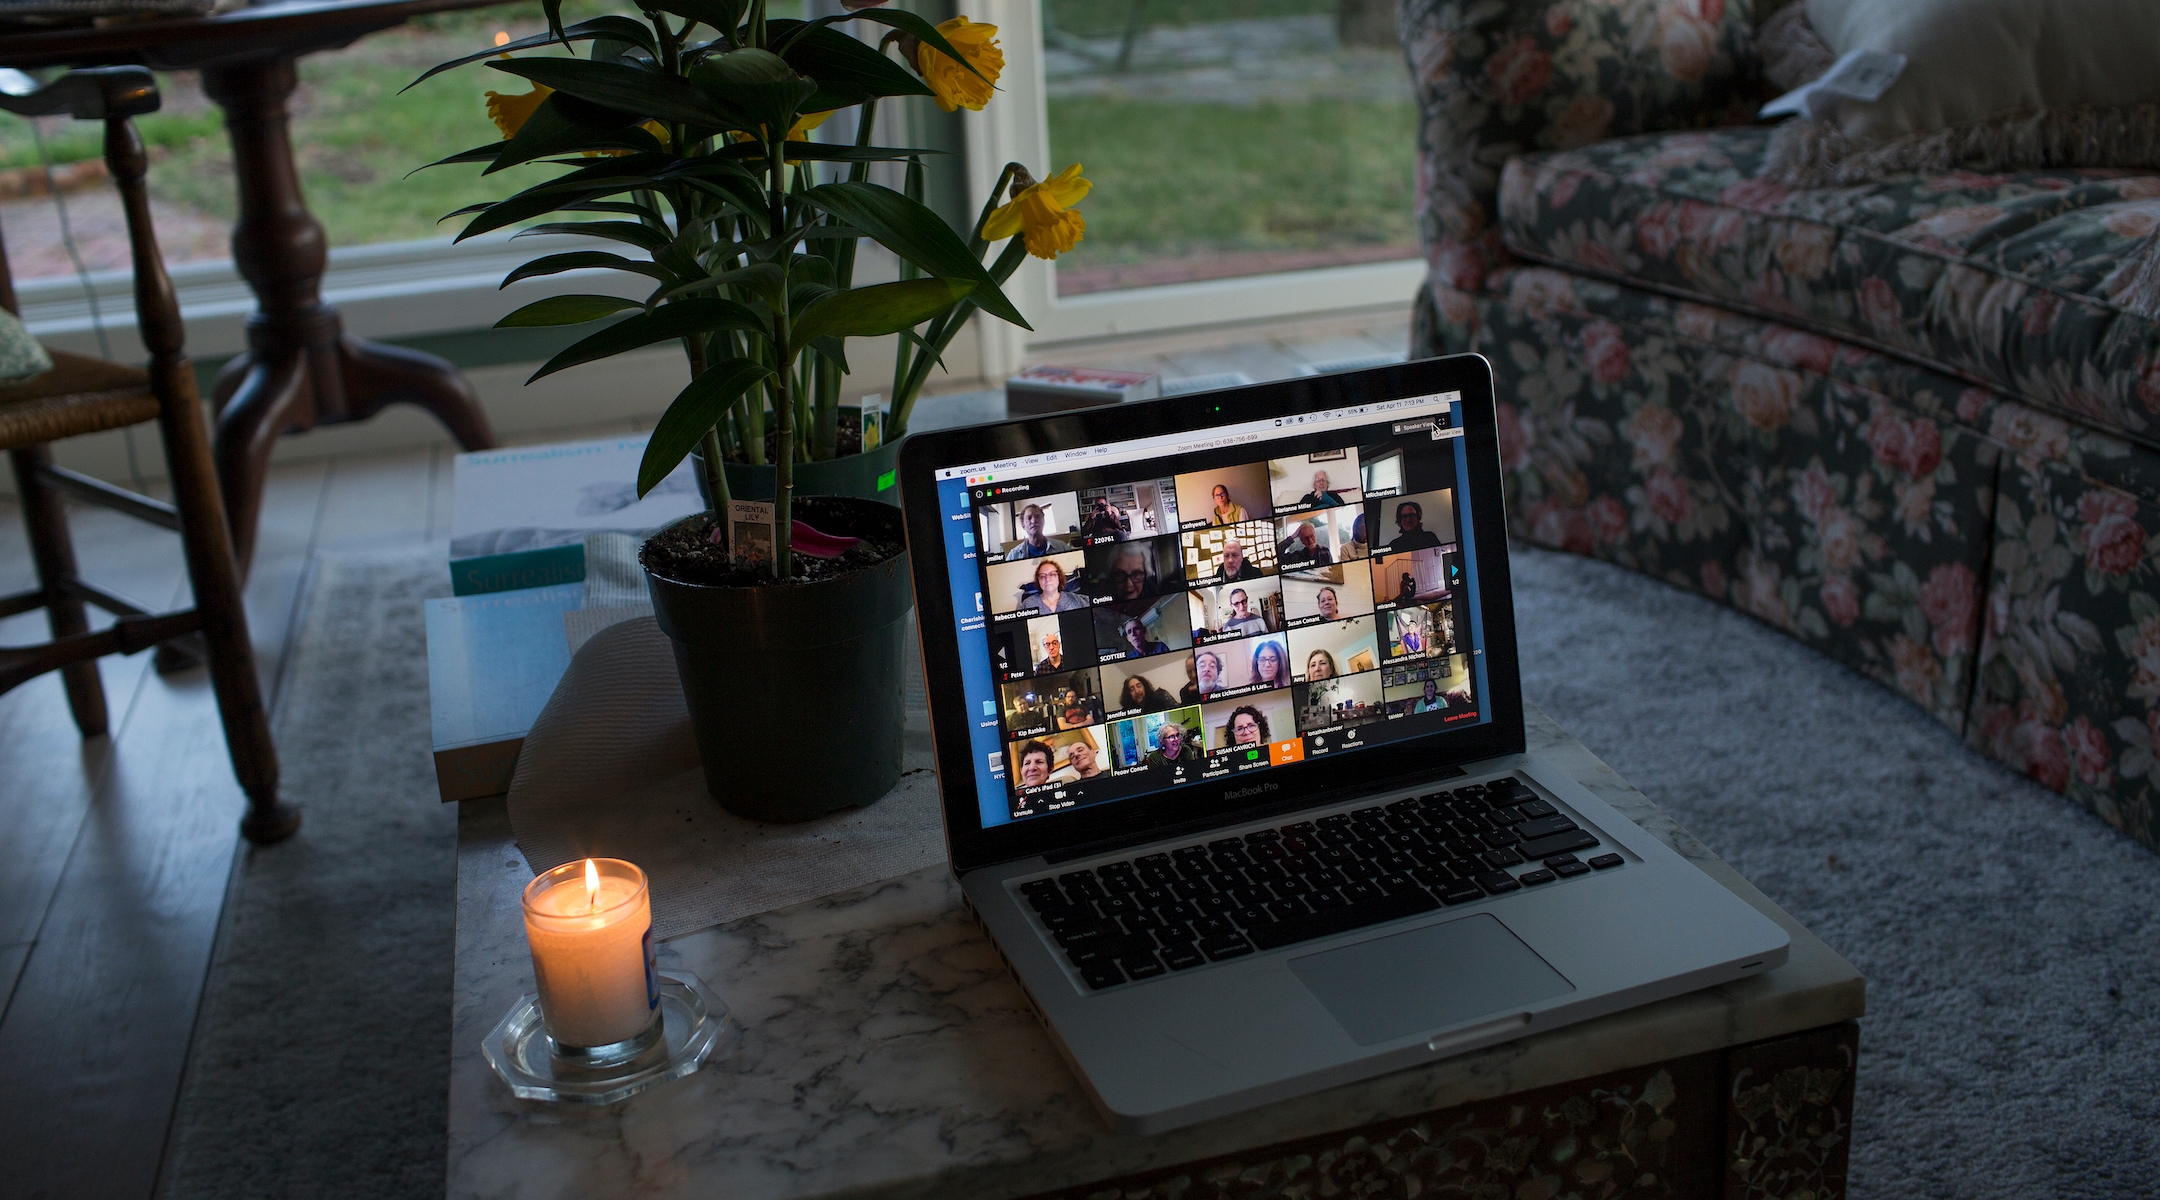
[300,369]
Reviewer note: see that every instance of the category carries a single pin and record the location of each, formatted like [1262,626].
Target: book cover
[493,661]
[519,516]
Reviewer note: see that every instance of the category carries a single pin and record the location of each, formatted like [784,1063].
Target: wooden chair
[87,395]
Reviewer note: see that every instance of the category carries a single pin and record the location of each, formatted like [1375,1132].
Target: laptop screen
[1135,617]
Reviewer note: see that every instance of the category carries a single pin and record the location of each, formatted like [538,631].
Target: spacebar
[1341,920]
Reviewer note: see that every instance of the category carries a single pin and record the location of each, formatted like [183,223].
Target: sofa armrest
[1498,78]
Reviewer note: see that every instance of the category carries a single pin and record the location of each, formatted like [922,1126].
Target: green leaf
[834,349]
[586,260]
[723,15]
[756,83]
[564,310]
[763,277]
[624,88]
[628,232]
[523,206]
[484,153]
[876,311]
[915,233]
[694,410]
[598,27]
[847,72]
[670,321]
[562,124]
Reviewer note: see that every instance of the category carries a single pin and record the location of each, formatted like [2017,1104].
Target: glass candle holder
[589,924]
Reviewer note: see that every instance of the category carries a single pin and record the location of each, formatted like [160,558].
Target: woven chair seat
[79,395]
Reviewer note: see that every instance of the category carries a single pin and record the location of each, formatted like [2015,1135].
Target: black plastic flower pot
[796,691]
[871,476]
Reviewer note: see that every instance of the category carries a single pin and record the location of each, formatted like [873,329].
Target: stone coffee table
[886,1053]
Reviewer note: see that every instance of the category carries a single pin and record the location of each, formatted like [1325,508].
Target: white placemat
[610,770]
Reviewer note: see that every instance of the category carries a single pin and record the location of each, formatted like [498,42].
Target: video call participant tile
[1135,570]
[1165,741]
[1139,628]
[1424,631]
[1080,755]
[1338,703]
[1037,586]
[1228,553]
[1335,649]
[1415,577]
[1047,703]
[1323,479]
[1436,685]
[1061,642]
[1223,496]
[1328,594]
[1235,610]
[1150,685]
[1029,526]
[1247,665]
[1249,723]
[1317,539]
[1423,521]
[1128,511]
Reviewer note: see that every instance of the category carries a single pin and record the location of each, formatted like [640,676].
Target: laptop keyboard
[1148,916]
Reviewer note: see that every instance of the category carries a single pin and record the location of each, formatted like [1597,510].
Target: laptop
[1229,733]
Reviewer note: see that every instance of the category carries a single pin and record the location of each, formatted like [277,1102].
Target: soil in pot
[686,552]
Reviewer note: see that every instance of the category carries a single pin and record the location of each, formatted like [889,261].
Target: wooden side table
[300,369]
[886,1053]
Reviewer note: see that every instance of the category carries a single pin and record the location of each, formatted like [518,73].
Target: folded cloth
[610,770]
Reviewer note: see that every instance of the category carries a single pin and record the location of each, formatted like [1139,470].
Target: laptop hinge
[1245,816]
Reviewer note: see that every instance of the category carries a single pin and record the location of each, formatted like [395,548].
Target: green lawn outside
[1104,18]
[1176,180]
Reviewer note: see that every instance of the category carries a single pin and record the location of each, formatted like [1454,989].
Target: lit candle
[590,927]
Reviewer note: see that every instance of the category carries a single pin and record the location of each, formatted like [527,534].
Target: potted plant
[683,138]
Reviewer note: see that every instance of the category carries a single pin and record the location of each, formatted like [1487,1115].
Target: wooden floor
[116,852]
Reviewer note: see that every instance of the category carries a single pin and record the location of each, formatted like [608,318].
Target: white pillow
[1987,84]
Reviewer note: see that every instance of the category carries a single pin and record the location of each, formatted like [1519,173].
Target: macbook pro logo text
[1255,790]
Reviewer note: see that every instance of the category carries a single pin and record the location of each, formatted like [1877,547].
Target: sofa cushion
[2017,282]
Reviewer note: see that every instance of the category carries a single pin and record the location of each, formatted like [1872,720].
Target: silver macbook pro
[1229,732]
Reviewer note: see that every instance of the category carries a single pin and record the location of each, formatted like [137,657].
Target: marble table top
[886,1053]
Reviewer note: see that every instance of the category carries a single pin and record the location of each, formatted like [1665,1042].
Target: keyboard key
[1283,910]
[1247,918]
[1534,878]
[1342,919]
[1215,905]
[1603,861]
[1102,973]
[1325,898]
[1570,869]
[1559,843]
[1214,927]
[1534,808]
[1462,891]
[1081,886]
[1558,860]
[1142,966]
[1116,906]
[1544,827]
[1181,956]
[1362,893]
[1218,949]
[1503,857]
[1501,837]
[1497,882]
[1507,814]
[1435,878]
[1467,867]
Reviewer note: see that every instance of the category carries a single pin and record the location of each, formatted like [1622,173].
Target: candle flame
[592,886]
[502,37]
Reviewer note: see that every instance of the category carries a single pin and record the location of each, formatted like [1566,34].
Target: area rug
[2011,941]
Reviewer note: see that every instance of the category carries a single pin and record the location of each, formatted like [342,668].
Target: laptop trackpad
[1427,978]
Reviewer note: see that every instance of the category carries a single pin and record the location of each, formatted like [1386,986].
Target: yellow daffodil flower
[511,112]
[1043,213]
[954,85]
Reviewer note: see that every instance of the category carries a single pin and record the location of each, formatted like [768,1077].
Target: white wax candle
[590,926]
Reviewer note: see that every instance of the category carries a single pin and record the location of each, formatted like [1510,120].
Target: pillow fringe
[1809,153]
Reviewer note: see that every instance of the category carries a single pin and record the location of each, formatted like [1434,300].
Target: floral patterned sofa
[1913,424]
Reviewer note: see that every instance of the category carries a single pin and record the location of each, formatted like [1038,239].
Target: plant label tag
[750,534]
[873,421]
